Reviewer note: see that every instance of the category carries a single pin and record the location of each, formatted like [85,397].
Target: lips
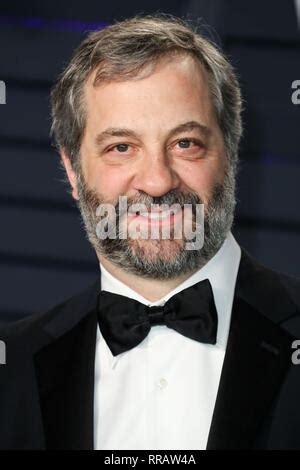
[156,217]
[156,213]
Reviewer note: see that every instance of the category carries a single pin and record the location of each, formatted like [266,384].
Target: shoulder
[62,315]
[272,292]
[253,270]
[292,286]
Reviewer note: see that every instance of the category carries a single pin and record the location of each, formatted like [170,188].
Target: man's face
[154,140]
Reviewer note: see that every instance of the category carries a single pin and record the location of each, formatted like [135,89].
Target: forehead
[175,85]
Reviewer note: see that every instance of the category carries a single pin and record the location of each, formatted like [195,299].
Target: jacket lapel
[257,358]
[65,377]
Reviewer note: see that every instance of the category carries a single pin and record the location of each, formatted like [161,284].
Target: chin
[164,249]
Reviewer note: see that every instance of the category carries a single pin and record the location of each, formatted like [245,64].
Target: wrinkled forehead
[168,93]
[106,72]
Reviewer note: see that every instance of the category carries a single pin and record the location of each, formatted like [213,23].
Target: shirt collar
[221,270]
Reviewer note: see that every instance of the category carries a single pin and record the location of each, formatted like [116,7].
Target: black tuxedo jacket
[47,384]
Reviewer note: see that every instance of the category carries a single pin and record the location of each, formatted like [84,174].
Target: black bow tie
[125,322]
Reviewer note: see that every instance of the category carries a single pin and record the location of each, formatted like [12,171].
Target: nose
[156,176]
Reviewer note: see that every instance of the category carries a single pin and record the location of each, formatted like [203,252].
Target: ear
[70,172]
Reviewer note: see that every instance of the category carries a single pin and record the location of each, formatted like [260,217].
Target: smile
[156,217]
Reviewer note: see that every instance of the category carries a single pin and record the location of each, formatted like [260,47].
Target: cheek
[109,182]
[201,176]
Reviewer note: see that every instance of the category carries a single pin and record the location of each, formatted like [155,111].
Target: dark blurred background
[44,255]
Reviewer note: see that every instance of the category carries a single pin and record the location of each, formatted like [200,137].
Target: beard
[161,258]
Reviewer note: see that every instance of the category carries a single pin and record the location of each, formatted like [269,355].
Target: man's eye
[121,147]
[188,144]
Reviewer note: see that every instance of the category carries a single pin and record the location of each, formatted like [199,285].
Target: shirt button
[162,383]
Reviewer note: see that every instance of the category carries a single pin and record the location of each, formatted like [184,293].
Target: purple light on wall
[45,23]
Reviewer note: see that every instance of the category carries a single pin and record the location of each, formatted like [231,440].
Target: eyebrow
[124,132]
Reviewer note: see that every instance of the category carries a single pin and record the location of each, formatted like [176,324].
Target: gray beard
[134,257]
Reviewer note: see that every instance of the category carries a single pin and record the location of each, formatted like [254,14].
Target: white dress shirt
[161,394]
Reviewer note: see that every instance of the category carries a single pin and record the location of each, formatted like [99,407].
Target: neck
[150,289]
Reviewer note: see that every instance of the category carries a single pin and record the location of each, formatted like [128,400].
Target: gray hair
[124,49]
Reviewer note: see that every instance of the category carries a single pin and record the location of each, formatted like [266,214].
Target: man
[179,346]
